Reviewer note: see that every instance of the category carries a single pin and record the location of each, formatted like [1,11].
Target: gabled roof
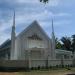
[7,43]
[34,23]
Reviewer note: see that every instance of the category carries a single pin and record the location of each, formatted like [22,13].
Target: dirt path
[8,73]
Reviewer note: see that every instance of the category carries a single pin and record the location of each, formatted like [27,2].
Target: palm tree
[66,43]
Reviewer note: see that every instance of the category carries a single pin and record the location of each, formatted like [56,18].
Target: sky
[61,11]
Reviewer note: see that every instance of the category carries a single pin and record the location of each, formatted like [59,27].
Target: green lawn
[50,72]
[38,72]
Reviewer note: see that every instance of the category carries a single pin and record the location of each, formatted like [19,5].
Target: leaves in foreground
[44,1]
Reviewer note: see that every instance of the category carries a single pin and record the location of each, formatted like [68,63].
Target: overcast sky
[62,12]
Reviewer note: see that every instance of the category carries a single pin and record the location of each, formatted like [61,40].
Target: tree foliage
[66,43]
[44,1]
[73,43]
[58,44]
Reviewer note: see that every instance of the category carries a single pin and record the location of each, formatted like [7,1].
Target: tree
[58,44]
[66,43]
[45,1]
[73,43]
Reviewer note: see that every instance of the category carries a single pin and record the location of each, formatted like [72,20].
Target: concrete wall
[13,63]
[34,63]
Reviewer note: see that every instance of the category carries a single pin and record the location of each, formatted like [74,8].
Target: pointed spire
[53,35]
[14,18]
[13,38]
[52,27]
[53,41]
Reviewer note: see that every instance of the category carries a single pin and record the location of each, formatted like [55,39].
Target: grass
[39,72]
[49,72]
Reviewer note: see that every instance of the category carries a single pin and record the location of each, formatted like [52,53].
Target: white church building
[35,47]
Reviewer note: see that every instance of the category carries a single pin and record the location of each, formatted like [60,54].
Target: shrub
[39,67]
[50,67]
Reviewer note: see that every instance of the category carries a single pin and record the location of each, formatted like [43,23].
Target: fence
[25,64]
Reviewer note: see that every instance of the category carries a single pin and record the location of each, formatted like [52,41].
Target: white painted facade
[35,46]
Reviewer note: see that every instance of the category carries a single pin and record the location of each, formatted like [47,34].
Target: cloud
[51,2]
[5,25]
[26,12]
[4,37]
[42,15]
[20,4]
[27,1]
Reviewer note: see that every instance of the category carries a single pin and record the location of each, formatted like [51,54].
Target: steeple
[14,19]
[52,28]
[53,41]
[13,38]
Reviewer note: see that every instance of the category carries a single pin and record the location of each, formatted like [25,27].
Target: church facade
[35,47]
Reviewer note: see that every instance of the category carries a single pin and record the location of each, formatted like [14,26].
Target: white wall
[42,63]
[37,44]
